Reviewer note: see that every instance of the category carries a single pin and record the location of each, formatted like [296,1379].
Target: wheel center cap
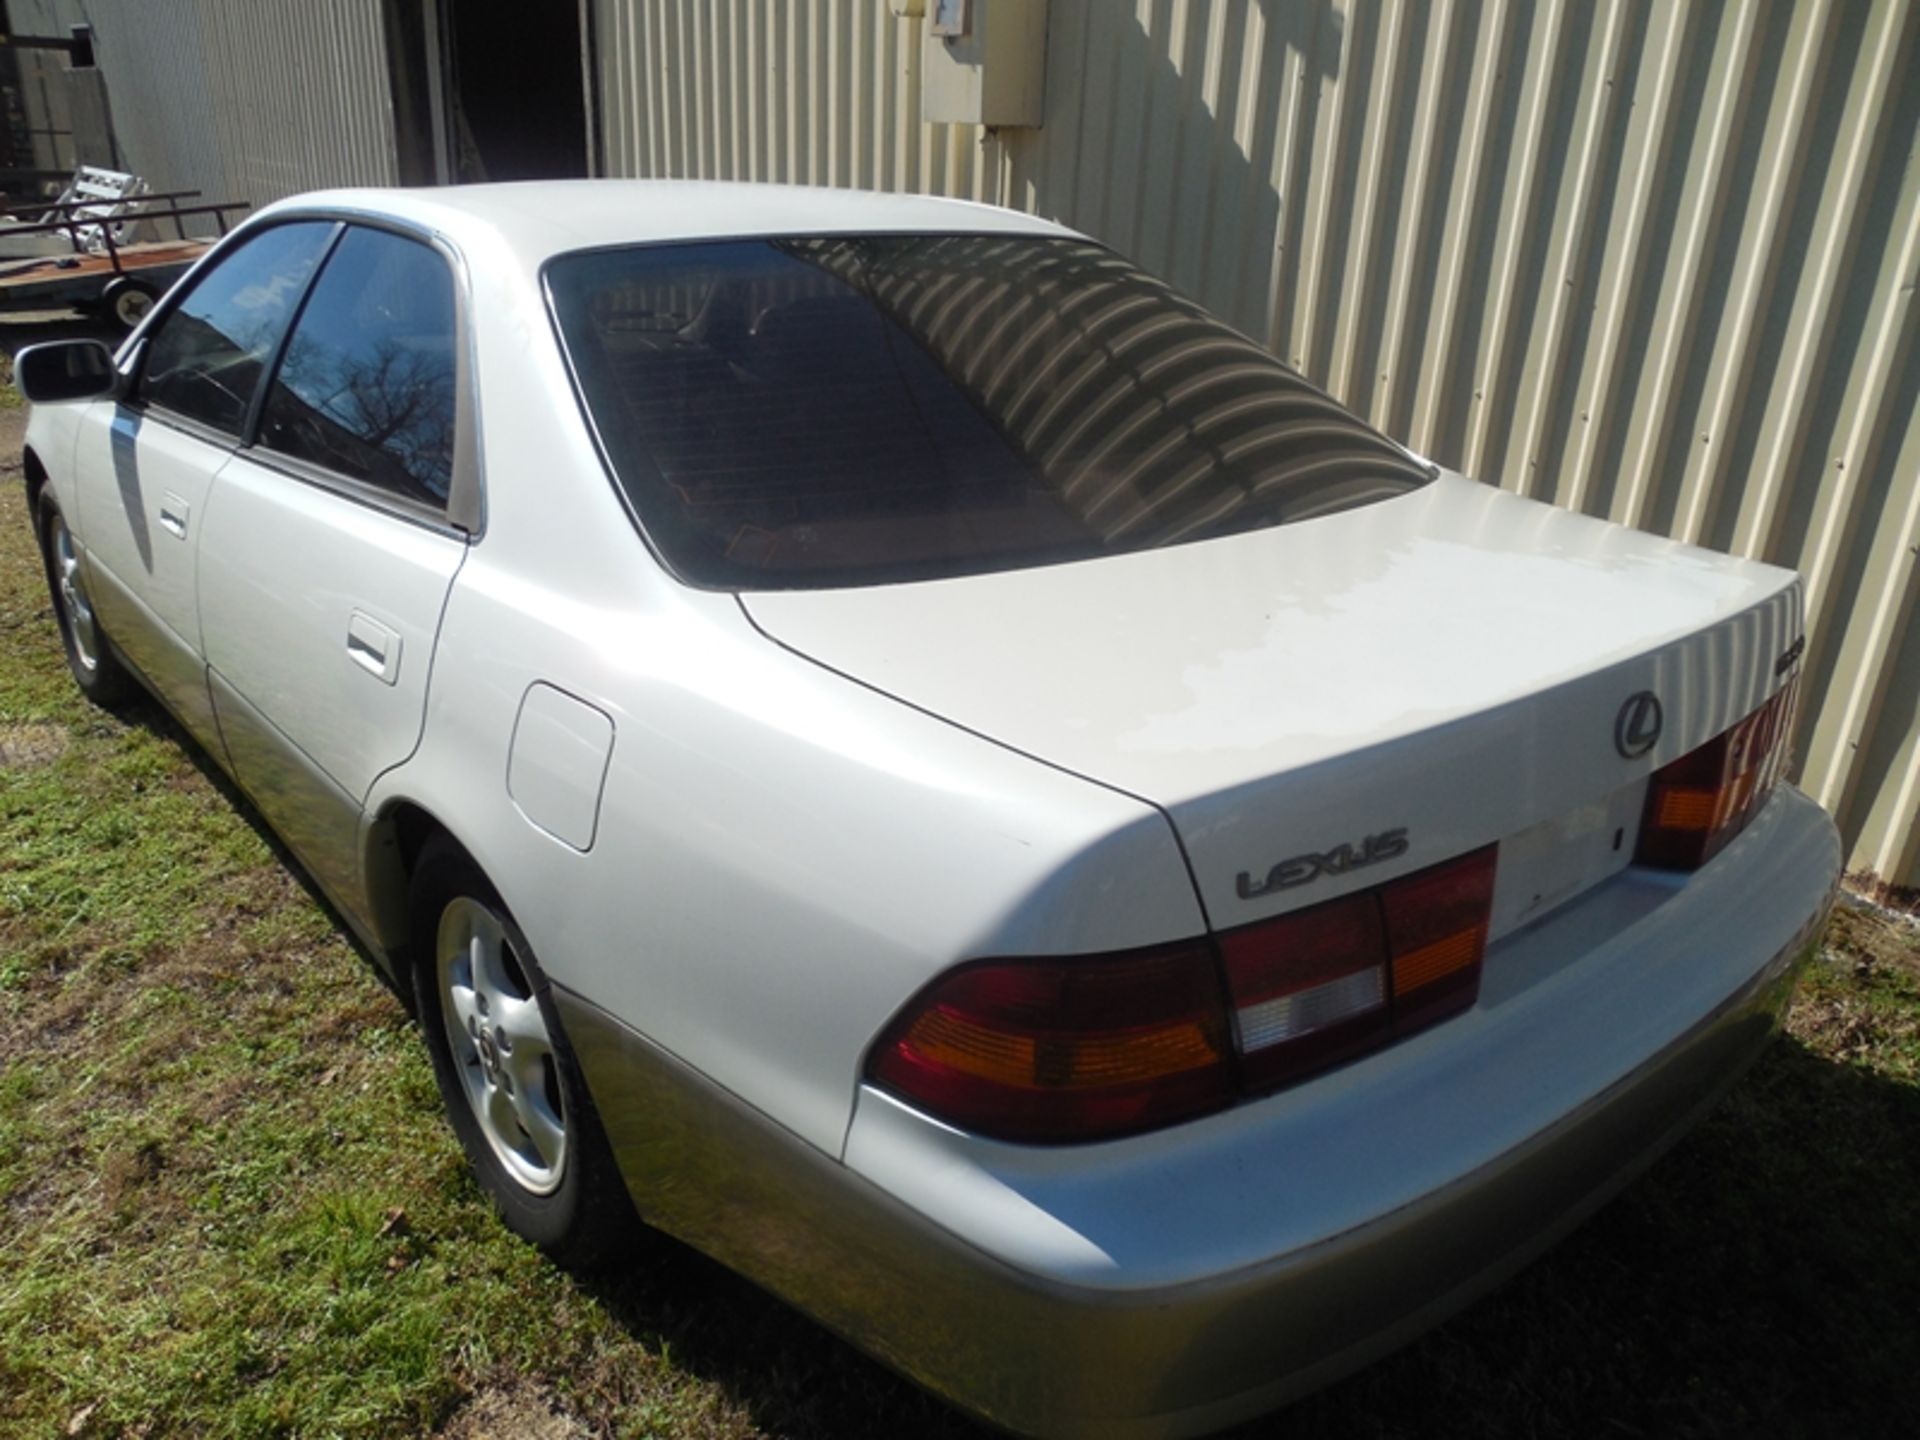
[489,1054]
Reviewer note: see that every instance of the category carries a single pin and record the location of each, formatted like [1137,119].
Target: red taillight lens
[1699,802]
[1099,1046]
[1065,1050]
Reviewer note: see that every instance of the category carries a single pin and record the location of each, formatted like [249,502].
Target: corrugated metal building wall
[251,100]
[299,91]
[1654,261]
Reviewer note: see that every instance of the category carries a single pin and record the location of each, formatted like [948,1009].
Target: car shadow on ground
[797,1380]
[1755,1280]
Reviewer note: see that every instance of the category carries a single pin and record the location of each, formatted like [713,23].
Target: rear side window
[204,361]
[848,410]
[367,386]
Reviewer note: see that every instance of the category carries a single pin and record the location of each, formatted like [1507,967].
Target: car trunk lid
[1322,706]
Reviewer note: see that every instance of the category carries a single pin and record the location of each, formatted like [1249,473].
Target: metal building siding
[821,92]
[251,100]
[43,75]
[300,93]
[153,61]
[1652,261]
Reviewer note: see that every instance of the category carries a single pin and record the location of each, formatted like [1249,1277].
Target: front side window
[848,410]
[204,360]
[366,389]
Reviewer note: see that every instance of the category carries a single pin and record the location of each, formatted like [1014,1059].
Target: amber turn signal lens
[1437,923]
[1698,803]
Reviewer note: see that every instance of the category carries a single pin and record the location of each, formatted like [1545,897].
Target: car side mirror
[65,370]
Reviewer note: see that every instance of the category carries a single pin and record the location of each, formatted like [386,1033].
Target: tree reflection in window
[366,388]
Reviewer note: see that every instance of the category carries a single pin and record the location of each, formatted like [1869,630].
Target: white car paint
[795,809]
[149,540]
[298,584]
[1288,689]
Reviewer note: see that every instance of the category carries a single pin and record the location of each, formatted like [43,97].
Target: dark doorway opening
[487,90]
[518,109]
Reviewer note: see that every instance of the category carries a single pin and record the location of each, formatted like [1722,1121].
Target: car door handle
[173,515]
[373,647]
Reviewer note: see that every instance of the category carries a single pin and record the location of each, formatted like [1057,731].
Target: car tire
[512,1088]
[96,666]
[126,301]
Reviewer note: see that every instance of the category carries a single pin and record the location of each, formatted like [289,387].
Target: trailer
[103,276]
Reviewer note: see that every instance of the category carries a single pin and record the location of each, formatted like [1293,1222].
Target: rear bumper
[1176,1282]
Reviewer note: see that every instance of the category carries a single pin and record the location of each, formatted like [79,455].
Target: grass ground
[228,1206]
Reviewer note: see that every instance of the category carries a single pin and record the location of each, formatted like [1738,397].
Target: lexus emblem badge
[1637,728]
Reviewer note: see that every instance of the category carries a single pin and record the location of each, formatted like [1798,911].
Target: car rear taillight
[1072,1049]
[1323,984]
[1699,802]
[1094,1047]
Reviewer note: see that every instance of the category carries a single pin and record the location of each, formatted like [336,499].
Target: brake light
[1698,803]
[1094,1047]
[1074,1049]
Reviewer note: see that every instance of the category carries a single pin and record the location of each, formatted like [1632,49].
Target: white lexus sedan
[884,740]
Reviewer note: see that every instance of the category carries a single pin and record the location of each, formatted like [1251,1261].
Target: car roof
[541,218]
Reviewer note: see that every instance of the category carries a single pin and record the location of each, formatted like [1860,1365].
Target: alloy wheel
[501,1048]
[75,609]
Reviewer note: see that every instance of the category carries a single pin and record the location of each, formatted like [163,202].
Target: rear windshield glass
[847,410]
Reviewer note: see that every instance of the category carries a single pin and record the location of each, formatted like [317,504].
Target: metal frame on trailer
[80,281]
